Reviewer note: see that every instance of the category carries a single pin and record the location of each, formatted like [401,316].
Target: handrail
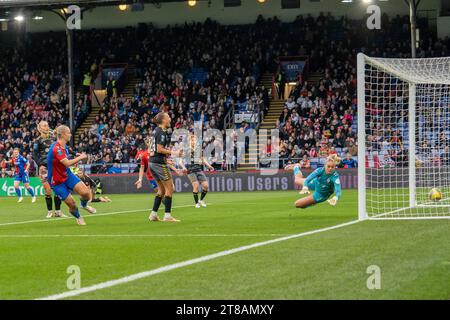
[229,118]
[96,98]
[274,88]
[259,113]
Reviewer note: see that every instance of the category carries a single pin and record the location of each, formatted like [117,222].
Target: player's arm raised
[71,162]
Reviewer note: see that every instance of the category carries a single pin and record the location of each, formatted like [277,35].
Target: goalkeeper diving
[323,181]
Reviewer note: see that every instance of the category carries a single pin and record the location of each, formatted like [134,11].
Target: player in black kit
[160,169]
[41,147]
[90,184]
[194,170]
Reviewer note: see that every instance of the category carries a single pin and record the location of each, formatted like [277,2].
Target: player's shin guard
[203,195]
[18,192]
[31,191]
[84,203]
[76,213]
[49,203]
[195,197]
[168,205]
[57,202]
[157,203]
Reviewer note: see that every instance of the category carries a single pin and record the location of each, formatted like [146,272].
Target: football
[435,194]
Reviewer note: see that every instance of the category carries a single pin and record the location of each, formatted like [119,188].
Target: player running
[21,167]
[41,147]
[194,170]
[62,180]
[159,168]
[323,181]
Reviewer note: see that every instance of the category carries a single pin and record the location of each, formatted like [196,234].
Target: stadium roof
[52,4]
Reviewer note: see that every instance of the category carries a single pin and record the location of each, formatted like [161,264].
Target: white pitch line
[186,263]
[187,235]
[408,218]
[104,214]
[85,216]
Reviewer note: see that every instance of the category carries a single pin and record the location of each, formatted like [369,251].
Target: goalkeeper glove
[304,190]
[333,201]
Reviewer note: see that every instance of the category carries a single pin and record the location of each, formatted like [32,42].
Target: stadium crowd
[209,69]
[320,119]
[34,85]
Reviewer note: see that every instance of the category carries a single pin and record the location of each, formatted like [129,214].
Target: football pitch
[221,252]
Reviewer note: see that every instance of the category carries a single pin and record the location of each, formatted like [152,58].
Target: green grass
[396,200]
[414,256]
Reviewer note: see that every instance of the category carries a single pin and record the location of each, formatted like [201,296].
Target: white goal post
[403,137]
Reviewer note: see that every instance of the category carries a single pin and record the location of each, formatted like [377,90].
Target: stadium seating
[197,72]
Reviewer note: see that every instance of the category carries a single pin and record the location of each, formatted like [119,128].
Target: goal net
[403,138]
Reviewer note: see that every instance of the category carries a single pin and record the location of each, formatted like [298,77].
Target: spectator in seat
[3,173]
[352,147]
[347,119]
[348,162]
[296,151]
[445,156]
[32,170]
[284,117]
[130,129]
[324,150]
[305,163]
[313,153]
[290,103]
[387,162]
[332,151]
[102,169]
[339,141]
[115,169]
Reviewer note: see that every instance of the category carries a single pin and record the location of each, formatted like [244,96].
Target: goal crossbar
[433,66]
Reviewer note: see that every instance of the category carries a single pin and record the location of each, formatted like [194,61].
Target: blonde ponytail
[335,158]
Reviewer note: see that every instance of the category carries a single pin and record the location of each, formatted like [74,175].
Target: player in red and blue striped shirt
[21,167]
[62,180]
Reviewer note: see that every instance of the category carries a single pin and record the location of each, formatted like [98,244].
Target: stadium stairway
[88,122]
[128,92]
[269,122]
[314,78]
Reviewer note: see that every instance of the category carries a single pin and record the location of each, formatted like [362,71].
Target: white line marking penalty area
[85,216]
[145,274]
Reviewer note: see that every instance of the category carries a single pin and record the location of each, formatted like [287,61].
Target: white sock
[167,215]
[153,213]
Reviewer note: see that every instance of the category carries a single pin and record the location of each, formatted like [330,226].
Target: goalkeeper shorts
[319,197]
